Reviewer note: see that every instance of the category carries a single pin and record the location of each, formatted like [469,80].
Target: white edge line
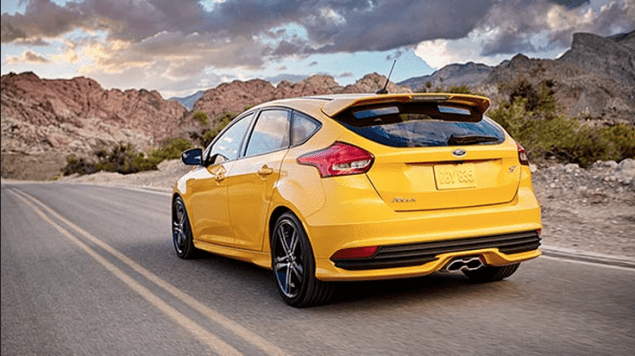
[588,263]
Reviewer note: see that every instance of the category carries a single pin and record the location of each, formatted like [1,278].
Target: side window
[270,133]
[228,145]
[303,127]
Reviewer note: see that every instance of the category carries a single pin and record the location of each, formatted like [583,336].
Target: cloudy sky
[180,46]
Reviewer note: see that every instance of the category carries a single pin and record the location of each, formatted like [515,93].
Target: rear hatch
[435,152]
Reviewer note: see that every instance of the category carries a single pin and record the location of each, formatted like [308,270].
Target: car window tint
[303,127]
[228,145]
[421,125]
[270,133]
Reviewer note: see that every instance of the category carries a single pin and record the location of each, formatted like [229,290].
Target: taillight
[353,253]
[339,159]
[522,154]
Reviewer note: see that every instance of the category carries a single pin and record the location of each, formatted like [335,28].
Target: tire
[293,265]
[181,231]
[491,273]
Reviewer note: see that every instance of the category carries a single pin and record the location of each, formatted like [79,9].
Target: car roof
[333,104]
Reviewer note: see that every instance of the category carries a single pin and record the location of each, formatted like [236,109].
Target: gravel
[588,209]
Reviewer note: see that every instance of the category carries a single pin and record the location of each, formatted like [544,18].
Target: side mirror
[192,157]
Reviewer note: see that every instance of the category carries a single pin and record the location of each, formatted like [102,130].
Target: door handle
[265,171]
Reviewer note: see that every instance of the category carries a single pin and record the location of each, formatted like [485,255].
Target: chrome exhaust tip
[465,264]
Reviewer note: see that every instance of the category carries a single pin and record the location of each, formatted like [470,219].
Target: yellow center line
[249,336]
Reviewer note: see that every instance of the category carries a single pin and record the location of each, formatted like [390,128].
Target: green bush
[171,148]
[122,158]
[454,89]
[78,165]
[125,159]
[545,134]
[201,117]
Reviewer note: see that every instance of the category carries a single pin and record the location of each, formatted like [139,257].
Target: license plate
[450,176]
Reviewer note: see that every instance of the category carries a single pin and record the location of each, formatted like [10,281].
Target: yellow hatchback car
[360,187]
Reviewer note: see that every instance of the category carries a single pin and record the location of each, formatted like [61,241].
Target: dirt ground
[588,209]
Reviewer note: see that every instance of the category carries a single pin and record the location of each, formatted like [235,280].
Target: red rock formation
[235,96]
[40,115]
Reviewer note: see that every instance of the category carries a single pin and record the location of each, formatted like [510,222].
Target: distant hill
[470,74]
[595,79]
[188,101]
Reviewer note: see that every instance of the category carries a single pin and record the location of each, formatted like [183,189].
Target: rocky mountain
[188,101]
[595,79]
[43,120]
[613,56]
[237,95]
[469,74]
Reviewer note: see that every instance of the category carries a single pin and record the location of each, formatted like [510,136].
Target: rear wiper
[470,139]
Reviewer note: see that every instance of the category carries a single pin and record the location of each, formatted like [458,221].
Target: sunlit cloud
[27,57]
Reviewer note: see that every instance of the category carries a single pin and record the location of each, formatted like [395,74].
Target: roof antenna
[384,90]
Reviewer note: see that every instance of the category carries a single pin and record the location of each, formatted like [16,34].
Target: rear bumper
[461,232]
[408,255]
[492,256]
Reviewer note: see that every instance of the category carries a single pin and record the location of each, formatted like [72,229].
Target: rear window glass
[421,125]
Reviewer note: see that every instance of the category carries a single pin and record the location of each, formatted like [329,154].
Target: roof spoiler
[478,105]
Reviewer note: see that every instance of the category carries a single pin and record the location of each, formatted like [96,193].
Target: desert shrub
[171,148]
[201,116]
[623,137]
[125,159]
[78,165]
[122,158]
[459,89]
[545,134]
[535,99]
[454,89]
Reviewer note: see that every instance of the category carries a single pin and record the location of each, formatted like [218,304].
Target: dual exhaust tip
[465,264]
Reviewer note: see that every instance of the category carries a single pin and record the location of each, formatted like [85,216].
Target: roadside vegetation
[124,158]
[529,115]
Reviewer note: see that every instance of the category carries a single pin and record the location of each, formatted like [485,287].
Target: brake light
[356,252]
[339,159]
[522,154]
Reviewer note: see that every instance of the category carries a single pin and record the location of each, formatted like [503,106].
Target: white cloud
[537,29]
[436,53]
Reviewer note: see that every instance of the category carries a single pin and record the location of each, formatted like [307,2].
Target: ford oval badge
[459,152]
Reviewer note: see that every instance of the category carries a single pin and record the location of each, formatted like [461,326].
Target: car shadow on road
[254,282]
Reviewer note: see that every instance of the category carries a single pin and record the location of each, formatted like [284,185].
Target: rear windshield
[421,125]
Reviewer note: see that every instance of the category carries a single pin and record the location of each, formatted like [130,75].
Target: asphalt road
[90,270]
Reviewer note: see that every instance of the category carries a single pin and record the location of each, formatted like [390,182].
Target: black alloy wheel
[181,231]
[294,265]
